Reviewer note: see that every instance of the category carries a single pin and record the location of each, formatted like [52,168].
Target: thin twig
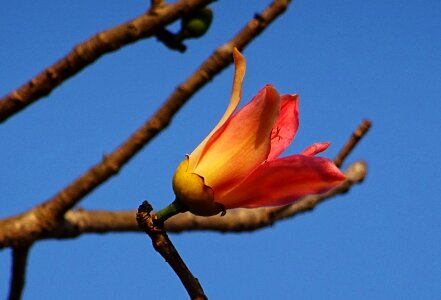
[86,53]
[164,246]
[169,40]
[18,274]
[355,174]
[356,136]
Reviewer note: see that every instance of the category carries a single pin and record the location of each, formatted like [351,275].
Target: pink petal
[242,144]
[315,149]
[282,181]
[286,125]
[236,93]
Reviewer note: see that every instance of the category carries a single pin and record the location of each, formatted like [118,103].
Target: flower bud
[197,24]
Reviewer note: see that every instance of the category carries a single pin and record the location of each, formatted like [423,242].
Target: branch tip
[354,139]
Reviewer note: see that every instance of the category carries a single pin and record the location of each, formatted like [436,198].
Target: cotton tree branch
[46,218]
[84,54]
[236,220]
[356,136]
[78,222]
[165,247]
[156,4]
[112,163]
[18,274]
[245,220]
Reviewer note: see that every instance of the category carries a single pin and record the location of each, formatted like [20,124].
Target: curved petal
[286,125]
[243,143]
[236,93]
[315,149]
[282,181]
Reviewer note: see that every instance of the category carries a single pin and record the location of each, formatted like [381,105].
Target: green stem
[173,209]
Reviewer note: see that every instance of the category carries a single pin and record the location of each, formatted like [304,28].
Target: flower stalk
[176,207]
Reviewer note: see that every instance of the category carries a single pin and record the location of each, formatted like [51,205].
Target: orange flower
[237,164]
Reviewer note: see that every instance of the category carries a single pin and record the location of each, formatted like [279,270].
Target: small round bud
[197,24]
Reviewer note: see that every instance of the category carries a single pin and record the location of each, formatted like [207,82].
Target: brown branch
[245,220]
[164,246]
[112,163]
[18,274]
[356,136]
[155,4]
[359,170]
[78,222]
[89,51]
[46,218]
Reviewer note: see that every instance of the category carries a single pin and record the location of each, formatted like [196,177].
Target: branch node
[144,218]
[109,162]
[259,18]
[16,97]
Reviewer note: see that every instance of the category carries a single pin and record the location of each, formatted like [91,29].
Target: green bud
[197,24]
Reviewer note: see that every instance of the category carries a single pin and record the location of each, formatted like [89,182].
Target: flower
[237,164]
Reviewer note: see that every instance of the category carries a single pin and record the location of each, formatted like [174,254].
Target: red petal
[286,125]
[242,144]
[315,149]
[282,181]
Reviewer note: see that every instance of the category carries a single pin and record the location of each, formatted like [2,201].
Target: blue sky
[348,60]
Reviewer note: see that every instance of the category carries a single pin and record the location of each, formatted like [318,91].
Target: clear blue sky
[348,60]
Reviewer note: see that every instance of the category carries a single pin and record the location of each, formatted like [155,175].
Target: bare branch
[78,222]
[112,163]
[165,247]
[89,51]
[245,220]
[237,220]
[44,219]
[156,4]
[18,274]
[356,136]
[81,221]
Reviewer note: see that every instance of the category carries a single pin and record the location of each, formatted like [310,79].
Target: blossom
[238,164]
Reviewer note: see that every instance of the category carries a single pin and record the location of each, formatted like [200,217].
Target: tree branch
[78,222]
[18,274]
[112,163]
[356,136]
[165,247]
[86,53]
[236,220]
[46,218]
[246,220]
